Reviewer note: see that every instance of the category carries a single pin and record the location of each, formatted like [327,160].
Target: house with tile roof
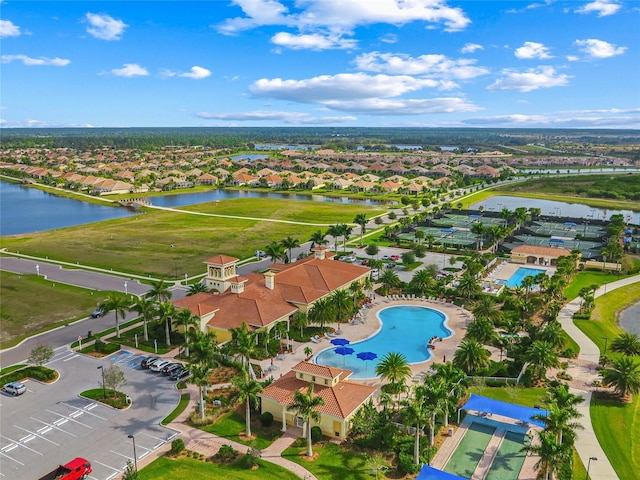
[342,397]
[538,255]
[262,300]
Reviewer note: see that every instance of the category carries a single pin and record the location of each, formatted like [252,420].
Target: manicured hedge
[43,374]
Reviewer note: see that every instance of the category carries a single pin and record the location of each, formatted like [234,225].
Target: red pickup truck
[74,470]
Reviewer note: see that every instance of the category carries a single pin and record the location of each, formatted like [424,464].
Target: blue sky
[378,63]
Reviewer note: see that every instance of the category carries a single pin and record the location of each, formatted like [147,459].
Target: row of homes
[263,300]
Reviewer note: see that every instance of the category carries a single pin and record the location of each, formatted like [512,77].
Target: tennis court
[446,236]
[466,221]
[468,453]
[508,462]
[566,229]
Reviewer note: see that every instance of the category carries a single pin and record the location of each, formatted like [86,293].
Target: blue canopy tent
[569,224]
[447,230]
[429,473]
[518,412]
[556,240]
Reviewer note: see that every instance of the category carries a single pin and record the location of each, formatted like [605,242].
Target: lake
[559,209]
[28,210]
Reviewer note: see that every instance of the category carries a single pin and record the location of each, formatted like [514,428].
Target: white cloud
[30,123]
[336,19]
[398,106]
[104,26]
[611,118]
[602,7]
[532,50]
[40,61]
[599,48]
[130,70]
[471,47]
[291,118]
[196,73]
[313,41]
[9,29]
[532,79]
[434,65]
[572,58]
[389,38]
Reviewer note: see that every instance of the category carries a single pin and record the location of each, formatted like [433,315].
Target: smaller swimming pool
[516,279]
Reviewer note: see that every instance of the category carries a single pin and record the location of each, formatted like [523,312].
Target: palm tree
[430,239]
[626,343]
[481,330]
[185,318]
[243,343]
[160,291]
[561,411]
[118,305]
[486,307]
[334,231]
[341,301]
[276,251]
[306,405]
[528,283]
[290,243]
[456,384]
[355,288]
[166,311]
[146,308]
[541,355]
[322,312]
[422,281]
[416,414]
[248,390]
[200,377]
[623,375]
[318,238]
[436,402]
[468,285]
[389,280]
[361,219]
[552,454]
[300,320]
[197,287]
[345,230]
[471,357]
[478,230]
[420,235]
[394,368]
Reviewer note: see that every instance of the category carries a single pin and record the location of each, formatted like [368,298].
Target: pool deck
[503,425]
[457,321]
[507,269]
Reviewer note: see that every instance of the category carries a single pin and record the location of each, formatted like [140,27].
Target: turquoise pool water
[516,279]
[405,329]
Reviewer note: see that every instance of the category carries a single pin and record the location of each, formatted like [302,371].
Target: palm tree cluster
[622,372]
[282,250]
[555,442]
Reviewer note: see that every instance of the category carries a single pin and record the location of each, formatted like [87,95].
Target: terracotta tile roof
[221,260]
[323,371]
[339,401]
[537,250]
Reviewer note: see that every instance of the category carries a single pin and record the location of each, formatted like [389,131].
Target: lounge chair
[315,339]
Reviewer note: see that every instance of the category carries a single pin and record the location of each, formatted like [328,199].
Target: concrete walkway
[584,373]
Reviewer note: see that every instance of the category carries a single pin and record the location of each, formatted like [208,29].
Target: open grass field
[171,469]
[588,278]
[31,304]
[232,425]
[617,424]
[333,462]
[169,244]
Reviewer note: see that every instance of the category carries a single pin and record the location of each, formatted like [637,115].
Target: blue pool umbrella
[340,341]
[366,356]
[344,351]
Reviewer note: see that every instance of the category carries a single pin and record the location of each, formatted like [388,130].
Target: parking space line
[66,418]
[117,470]
[11,458]
[67,359]
[84,409]
[90,406]
[152,436]
[53,426]
[44,430]
[20,445]
[140,457]
[122,455]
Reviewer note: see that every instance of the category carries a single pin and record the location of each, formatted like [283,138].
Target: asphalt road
[51,424]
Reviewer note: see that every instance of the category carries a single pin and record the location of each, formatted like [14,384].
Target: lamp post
[126,292]
[595,459]
[135,457]
[104,387]
[37,270]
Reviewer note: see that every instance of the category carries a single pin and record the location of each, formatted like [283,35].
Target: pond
[554,208]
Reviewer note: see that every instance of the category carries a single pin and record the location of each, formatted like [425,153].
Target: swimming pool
[516,279]
[405,329]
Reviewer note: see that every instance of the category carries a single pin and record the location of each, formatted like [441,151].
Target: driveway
[51,424]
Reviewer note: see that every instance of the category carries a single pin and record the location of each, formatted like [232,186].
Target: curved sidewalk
[584,372]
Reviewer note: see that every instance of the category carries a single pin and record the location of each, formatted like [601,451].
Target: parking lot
[50,424]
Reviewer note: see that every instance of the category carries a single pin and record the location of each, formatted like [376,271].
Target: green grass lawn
[184,401]
[333,462]
[527,397]
[169,244]
[32,304]
[588,278]
[617,424]
[232,424]
[172,469]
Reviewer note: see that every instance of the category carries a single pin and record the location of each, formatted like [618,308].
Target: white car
[15,388]
[158,366]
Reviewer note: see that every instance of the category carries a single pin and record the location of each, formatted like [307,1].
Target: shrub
[266,419]
[226,454]
[316,433]
[177,446]
[406,465]
[42,374]
[196,421]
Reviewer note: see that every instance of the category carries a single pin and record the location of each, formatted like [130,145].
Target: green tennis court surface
[465,459]
[508,462]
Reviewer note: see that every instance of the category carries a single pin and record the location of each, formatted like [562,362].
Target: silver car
[15,388]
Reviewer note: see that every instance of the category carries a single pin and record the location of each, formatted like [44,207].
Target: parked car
[385,257]
[177,372]
[350,259]
[364,262]
[260,253]
[171,368]
[375,273]
[182,375]
[15,388]
[158,366]
[390,265]
[98,312]
[146,363]
[394,258]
